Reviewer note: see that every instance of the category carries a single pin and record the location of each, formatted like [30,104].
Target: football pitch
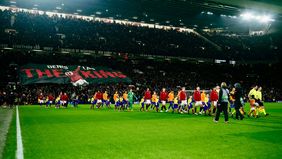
[105,134]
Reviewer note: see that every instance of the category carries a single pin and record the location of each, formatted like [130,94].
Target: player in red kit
[76,78]
[40,99]
[99,97]
[50,99]
[64,100]
[214,99]
[163,98]
[147,98]
[197,99]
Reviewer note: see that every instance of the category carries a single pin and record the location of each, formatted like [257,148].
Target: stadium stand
[21,29]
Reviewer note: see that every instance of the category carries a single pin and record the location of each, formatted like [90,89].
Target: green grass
[11,141]
[83,133]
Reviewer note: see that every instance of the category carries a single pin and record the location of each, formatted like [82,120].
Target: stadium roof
[189,13]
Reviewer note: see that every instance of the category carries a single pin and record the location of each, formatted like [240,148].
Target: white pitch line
[19,153]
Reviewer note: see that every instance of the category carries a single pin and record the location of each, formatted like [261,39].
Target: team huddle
[198,102]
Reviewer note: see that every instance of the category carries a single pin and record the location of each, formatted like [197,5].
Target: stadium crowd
[21,28]
[264,47]
[57,32]
[147,74]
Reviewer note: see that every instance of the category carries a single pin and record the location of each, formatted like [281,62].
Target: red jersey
[182,95]
[147,95]
[213,95]
[99,96]
[64,97]
[163,96]
[74,75]
[197,95]
[50,98]
[40,97]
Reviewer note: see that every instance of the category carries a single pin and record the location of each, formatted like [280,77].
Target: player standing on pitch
[183,100]
[197,99]
[131,97]
[214,99]
[163,98]
[147,97]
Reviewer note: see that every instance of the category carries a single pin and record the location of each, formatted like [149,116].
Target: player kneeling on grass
[197,99]
[222,103]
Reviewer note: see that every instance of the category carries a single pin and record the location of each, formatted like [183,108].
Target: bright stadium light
[265,19]
[249,16]
[209,13]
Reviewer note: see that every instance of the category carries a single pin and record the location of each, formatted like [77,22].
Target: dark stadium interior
[140,79]
[151,57]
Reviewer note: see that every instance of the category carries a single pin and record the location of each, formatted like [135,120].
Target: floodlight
[265,19]
[210,13]
[247,16]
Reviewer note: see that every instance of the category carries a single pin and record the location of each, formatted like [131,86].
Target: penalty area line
[19,152]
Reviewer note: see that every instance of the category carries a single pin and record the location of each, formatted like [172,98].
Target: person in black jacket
[222,104]
[238,101]
[11,100]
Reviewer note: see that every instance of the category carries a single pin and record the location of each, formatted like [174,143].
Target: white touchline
[19,154]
